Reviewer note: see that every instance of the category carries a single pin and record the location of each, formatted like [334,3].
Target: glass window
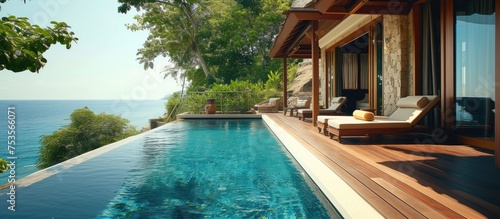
[475,68]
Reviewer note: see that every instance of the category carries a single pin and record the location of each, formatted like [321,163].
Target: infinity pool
[187,169]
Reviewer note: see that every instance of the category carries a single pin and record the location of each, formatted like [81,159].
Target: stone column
[395,61]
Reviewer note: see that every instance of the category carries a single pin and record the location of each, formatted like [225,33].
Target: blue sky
[101,65]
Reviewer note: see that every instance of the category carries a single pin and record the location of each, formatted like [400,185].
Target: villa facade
[376,52]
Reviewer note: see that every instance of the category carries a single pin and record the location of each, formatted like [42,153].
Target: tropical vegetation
[86,131]
[220,47]
[210,41]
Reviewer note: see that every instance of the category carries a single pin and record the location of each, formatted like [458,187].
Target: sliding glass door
[475,68]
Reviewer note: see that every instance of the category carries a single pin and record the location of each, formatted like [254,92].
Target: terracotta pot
[210,108]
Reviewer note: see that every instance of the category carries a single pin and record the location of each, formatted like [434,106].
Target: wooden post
[447,65]
[315,72]
[285,84]
[497,84]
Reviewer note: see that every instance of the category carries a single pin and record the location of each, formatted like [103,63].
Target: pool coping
[347,201]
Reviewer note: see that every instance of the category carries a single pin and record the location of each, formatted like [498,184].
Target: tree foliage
[174,26]
[232,37]
[22,44]
[3,165]
[87,131]
[275,80]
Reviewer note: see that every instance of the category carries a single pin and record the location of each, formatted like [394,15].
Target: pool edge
[347,201]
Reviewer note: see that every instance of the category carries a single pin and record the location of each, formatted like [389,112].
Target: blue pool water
[188,169]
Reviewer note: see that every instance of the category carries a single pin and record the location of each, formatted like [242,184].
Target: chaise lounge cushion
[271,106]
[413,102]
[379,123]
[334,108]
[406,116]
[335,103]
[272,101]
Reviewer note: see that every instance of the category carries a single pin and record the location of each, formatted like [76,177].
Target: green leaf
[26,43]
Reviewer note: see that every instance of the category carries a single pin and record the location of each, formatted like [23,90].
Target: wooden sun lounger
[270,107]
[298,104]
[334,109]
[408,114]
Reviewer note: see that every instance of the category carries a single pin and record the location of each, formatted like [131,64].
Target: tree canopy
[210,41]
[87,131]
[22,44]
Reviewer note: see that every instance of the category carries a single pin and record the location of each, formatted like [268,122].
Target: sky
[101,65]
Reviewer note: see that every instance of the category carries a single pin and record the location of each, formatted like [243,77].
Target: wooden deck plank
[449,181]
[416,186]
[386,209]
[423,208]
[391,206]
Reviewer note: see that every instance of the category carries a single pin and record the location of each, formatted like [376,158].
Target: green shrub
[275,80]
[87,131]
[3,165]
[236,97]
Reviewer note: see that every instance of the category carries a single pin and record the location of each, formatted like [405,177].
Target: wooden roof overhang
[292,42]
[294,39]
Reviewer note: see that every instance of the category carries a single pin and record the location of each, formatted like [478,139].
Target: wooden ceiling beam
[384,10]
[372,7]
[323,5]
[356,6]
[312,14]
[287,28]
[337,10]
[295,44]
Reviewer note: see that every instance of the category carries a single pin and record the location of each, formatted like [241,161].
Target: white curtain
[350,71]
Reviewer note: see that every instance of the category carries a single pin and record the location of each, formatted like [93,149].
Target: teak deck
[408,175]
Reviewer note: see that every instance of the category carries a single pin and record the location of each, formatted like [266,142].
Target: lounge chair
[270,107]
[410,111]
[322,122]
[334,109]
[297,103]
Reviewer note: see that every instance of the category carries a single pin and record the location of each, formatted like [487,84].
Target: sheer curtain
[350,71]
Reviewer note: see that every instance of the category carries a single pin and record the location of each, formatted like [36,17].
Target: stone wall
[396,70]
[411,56]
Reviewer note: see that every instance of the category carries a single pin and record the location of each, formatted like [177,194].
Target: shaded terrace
[308,21]
[408,175]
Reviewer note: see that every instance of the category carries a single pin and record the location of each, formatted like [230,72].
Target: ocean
[35,118]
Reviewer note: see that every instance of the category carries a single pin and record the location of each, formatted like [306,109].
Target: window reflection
[475,67]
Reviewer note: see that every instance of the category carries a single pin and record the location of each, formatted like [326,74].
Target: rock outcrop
[303,79]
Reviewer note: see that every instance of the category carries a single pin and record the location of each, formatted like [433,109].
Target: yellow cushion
[363,115]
